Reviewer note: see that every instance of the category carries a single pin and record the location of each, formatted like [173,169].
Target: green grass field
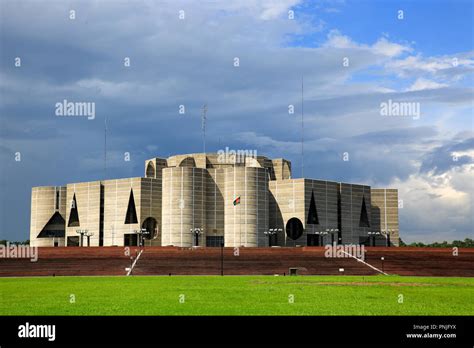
[237,295]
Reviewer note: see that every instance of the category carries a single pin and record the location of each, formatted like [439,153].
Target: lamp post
[81,233]
[321,235]
[140,233]
[270,233]
[222,259]
[196,232]
[330,231]
[372,234]
[337,233]
[387,232]
[88,235]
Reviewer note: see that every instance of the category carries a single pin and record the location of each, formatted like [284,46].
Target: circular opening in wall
[150,224]
[294,228]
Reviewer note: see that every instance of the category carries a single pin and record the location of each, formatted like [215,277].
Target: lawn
[237,295]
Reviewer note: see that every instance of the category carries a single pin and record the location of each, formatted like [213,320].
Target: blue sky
[426,58]
[436,27]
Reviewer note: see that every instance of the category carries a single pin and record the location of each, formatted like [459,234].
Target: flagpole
[105,147]
[302,126]
[240,226]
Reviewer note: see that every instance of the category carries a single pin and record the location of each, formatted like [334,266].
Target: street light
[196,232]
[89,235]
[81,233]
[387,232]
[270,233]
[332,230]
[321,234]
[373,234]
[339,239]
[222,258]
[140,233]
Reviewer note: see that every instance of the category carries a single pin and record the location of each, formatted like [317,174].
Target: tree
[466,243]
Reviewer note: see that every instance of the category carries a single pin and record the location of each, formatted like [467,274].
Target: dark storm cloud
[190,62]
[443,158]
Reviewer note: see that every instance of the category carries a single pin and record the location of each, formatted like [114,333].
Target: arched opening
[294,228]
[188,162]
[150,170]
[151,225]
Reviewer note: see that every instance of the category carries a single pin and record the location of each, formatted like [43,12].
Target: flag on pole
[237,200]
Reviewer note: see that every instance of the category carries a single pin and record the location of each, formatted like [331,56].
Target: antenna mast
[105,147]
[203,125]
[302,126]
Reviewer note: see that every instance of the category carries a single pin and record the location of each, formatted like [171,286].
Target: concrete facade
[354,230]
[235,198]
[47,202]
[385,215]
[245,223]
[83,211]
[184,205]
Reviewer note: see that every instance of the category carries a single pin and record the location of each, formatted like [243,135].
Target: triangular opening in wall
[364,218]
[73,215]
[312,213]
[131,216]
[54,228]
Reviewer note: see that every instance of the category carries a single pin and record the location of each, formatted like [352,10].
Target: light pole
[337,233]
[81,233]
[88,235]
[372,235]
[330,231]
[196,232]
[270,233]
[140,233]
[387,232]
[222,259]
[321,235]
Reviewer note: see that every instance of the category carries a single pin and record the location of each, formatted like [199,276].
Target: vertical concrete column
[183,205]
[245,222]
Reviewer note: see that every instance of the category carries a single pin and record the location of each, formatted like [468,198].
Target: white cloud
[381,47]
[437,207]
[337,40]
[261,9]
[190,62]
[274,8]
[448,68]
[421,84]
[389,49]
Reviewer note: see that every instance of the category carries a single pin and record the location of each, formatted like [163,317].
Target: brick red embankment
[249,261]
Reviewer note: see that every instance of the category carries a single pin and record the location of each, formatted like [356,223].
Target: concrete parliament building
[208,199]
